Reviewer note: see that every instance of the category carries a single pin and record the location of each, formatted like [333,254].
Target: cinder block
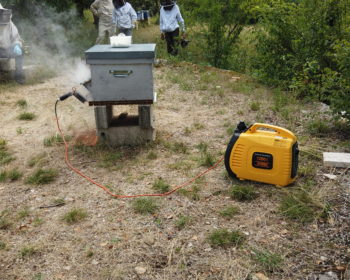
[126,135]
[146,117]
[103,116]
[336,159]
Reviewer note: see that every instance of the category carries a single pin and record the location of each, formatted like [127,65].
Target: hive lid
[135,51]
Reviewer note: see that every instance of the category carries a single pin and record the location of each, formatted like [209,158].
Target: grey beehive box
[121,75]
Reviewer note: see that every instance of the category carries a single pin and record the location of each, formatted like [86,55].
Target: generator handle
[279,130]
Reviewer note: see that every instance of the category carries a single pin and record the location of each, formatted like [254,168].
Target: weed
[161,186]
[229,212]
[144,206]
[58,201]
[255,106]
[109,160]
[2,245]
[318,127]
[230,130]
[5,156]
[192,194]
[202,146]
[182,221]
[152,155]
[37,221]
[19,130]
[26,116]
[74,216]
[3,176]
[5,222]
[243,193]
[23,214]
[89,253]
[22,103]
[179,147]
[299,207]
[38,276]
[226,238]
[207,160]
[268,261]
[37,160]
[28,252]
[14,175]
[55,140]
[42,176]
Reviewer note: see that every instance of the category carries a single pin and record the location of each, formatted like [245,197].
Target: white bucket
[120,41]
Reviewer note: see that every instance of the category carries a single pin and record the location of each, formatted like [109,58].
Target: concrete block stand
[124,129]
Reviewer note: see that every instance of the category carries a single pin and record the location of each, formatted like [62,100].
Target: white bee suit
[103,9]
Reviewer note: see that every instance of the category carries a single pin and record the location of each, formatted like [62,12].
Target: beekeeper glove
[17,50]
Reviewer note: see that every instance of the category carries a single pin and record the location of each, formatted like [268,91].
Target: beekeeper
[103,9]
[11,43]
[170,22]
[124,17]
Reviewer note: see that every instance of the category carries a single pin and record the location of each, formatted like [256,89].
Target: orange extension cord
[106,189]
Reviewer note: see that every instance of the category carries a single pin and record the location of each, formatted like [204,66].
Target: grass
[42,176]
[37,160]
[27,252]
[152,155]
[318,127]
[161,186]
[254,106]
[229,212]
[226,238]
[243,193]
[267,261]
[182,221]
[74,216]
[192,194]
[5,156]
[22,103]
[5,222]
[11,175]
[300,207]
[2,245]
[26,116]
[22,214]
[55,140]
[144,206]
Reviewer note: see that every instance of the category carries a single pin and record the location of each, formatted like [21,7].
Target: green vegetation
[226,238]
[192,194]
[5,156]
[22,103]
[161,186]
[5,222]
[2,245]
[55,140]
[144,206]
[28,251]
[22,214]
[243,193]
[299,206]
[269,262]
[182,221]
[26,116]
[74,216]
[229,212]
[37,160]
[42,176]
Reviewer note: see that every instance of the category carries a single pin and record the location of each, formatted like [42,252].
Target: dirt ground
[115,242]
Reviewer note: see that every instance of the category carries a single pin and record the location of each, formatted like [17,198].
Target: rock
[259,276]
[195,238]
[323,258]
[330,176]
[140,270]
[94,262]
[67,267]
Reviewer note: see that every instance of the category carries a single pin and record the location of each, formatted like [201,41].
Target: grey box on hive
[122,76]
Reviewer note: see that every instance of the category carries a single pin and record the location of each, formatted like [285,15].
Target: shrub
[161,186]
[267,261]
[26,116]
[182,221]
[229,212]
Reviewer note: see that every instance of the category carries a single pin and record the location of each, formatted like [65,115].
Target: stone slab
[336,159]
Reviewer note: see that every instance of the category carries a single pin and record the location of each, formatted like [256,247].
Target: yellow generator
[263,153]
